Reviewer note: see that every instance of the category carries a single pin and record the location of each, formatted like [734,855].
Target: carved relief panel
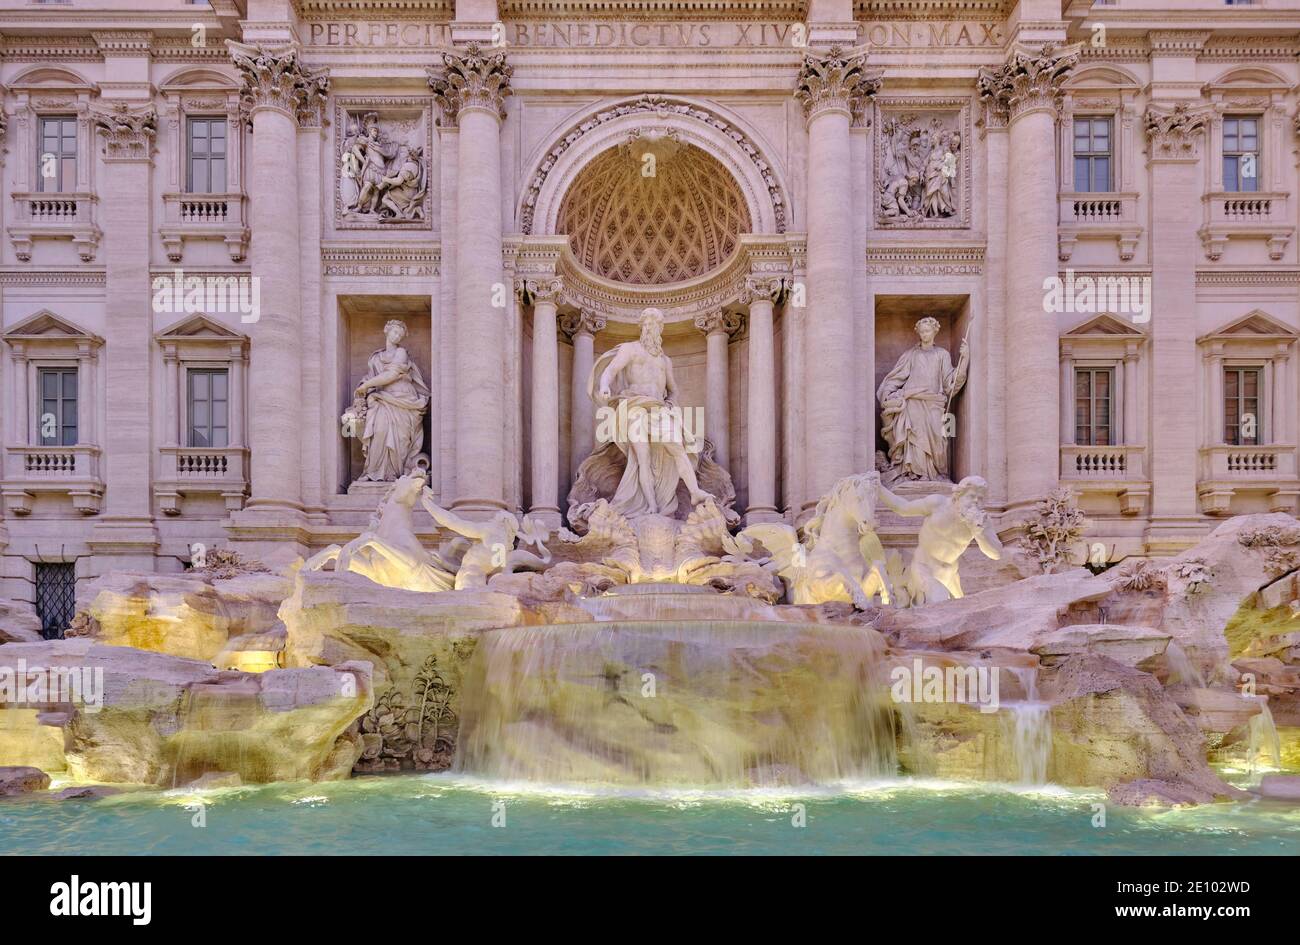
[383,163]
[923,173]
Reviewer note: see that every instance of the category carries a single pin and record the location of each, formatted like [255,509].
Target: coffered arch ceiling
[653,211]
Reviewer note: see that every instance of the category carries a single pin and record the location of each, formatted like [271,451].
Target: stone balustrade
[54,216]
[204,217]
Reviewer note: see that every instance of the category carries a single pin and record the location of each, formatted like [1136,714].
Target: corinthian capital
[583,323]
[274,77]
[760,289]
[1175,130]
[718,320]
[472,79]
[837,80]
[1029,81]
[128,130]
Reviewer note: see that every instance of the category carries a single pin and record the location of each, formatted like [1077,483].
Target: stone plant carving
[388,410]
[1140,575]
[1056,528]
[390,553]
[919,172]
[222,564]
[914,398]
[1195,575]
[382,179]
[1278,544]
[418,732]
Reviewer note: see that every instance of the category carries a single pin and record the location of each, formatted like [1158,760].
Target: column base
[1171,535]
[478,509]
[762,513]
[124,543]
[549,516]
[274,534]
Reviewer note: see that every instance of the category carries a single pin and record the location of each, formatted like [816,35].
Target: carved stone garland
[128,132]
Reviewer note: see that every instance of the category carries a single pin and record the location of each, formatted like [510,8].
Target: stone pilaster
[471,88]
[125,530]
[582,328]
[830,87]
[278,93]
[718,327]
[760,295]
[1174,136]
[1026,92]
[545,400]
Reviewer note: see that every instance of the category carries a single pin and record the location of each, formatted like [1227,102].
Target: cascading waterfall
[1030,730]
[1263,737]
[711,703]
[1181,668]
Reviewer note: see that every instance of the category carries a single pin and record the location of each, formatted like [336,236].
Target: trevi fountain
[654,658]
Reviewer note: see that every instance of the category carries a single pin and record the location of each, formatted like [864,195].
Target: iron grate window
[56,597]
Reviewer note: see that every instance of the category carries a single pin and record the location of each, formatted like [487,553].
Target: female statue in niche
[914,399]
[395,398]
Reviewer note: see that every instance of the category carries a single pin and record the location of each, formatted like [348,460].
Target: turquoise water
[442,814]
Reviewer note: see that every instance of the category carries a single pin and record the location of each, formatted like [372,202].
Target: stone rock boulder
[1113,724]
[1280,787]
[1132,646]
[22,779]
[136,716]
[419,644]
[1013,616]
[18,622]
[1237,560]
[194,615]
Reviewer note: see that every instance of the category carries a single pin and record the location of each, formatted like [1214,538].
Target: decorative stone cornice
[128,130]
[472,79]
[763,288]
[123,42]
[1175,131]
[718,320]
[274,77]
[1029,81]
[837,81]
[583,322]
[1177,42]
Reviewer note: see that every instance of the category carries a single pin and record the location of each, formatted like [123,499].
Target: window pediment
[1253,326]
[46,326]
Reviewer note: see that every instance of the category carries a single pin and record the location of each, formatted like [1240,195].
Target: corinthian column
[718,328]
[1026,90]
[1175,133]
[125,529]
[278,92]
[760,295]
[828,87]
[546,404]
[471,89]
[582,328]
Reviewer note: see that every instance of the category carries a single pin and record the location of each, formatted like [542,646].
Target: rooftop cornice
[654,9]
[932,9]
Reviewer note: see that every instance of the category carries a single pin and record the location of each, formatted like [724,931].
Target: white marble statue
[632,384]
[951,523]
[389,410]
[841,557]
[389,552]
[914,398]
[491,549]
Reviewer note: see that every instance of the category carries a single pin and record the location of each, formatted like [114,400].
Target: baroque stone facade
[206,237]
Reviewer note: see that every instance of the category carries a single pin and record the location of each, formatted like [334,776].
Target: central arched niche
[653,211]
